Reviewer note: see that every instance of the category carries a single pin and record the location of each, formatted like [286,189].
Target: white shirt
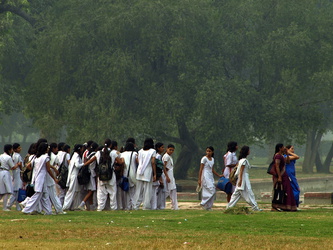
[144,158]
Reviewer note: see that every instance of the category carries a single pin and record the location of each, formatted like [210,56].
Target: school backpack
[83,177]
[63,173]
[233,177]
[104,169]
[159,168]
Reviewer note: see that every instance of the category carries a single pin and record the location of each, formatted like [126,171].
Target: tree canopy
[195,73]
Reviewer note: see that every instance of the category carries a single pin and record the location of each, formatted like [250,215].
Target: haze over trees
[195,73]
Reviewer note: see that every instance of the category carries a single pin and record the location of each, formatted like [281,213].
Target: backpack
[83,176]
[63,173]
[159,168]
[233,177]
[103,169]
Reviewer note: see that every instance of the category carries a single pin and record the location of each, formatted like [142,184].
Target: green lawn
[168,229]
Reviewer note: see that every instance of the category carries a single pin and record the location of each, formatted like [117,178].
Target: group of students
[149,173]
[284,162]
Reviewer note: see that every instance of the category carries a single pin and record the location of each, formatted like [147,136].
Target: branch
[171,138]
[18,11]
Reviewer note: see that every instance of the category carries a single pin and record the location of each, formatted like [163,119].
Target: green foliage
[195,73]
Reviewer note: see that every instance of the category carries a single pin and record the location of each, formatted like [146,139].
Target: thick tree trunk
[328,160]
[189,152]
[312,145]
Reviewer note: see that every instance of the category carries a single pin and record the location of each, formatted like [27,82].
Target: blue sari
[291,172]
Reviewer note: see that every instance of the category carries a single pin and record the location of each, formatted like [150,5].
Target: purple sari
[289,202]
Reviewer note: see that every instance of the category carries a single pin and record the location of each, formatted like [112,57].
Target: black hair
[211,148]
[42,149]
[77,148]
[93,147]
[61,146]
[288,146]
[243,153]
[65,148]
[31,150]
[52,146]
[277,147]
[130,139]
[39,142]
[232,146]
[16,146]
[171,146]
[148,144]
[105,153]
[114,144]
[7,148]
[158,145]
[129,146]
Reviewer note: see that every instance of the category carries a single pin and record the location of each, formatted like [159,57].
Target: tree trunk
[312,145]
[327,163]
[189,153]
[319,164]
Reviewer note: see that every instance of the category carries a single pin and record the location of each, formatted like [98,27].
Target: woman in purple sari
[282,177]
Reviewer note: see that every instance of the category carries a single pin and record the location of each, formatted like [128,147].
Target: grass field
[193,229]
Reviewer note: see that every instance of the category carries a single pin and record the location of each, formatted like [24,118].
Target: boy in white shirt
[168,171]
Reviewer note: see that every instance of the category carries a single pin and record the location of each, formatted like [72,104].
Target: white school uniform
[92,182]
[62,191]
[156,188]
[144,177]
[230,158]
[106,188]
[51,185]
[171,187]
[41,195]
[72,198]
[245,189]
[17,182]
[207,183]
[6,185]
[128,197]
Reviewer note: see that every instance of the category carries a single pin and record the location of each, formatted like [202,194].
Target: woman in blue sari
[291,171]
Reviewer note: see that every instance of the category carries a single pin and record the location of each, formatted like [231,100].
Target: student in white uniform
[230,161]
[129,157]
[6,164]
[146,175]
[72,198]
[63,156]
[90,188]
[51,185]
[41,168]
[170,179]
[117,162]
[243,185]
[105,188]
[16,177]
[159,187]
[206,179]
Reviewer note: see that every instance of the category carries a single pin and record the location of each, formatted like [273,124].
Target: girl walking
[243,185]
[206,179]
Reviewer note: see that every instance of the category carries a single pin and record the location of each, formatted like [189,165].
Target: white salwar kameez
[106,189]
[6,185]
[130,162]
[39,181]
[245,189]
[207,183]
[17,183]
[144,177]
[72,198]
